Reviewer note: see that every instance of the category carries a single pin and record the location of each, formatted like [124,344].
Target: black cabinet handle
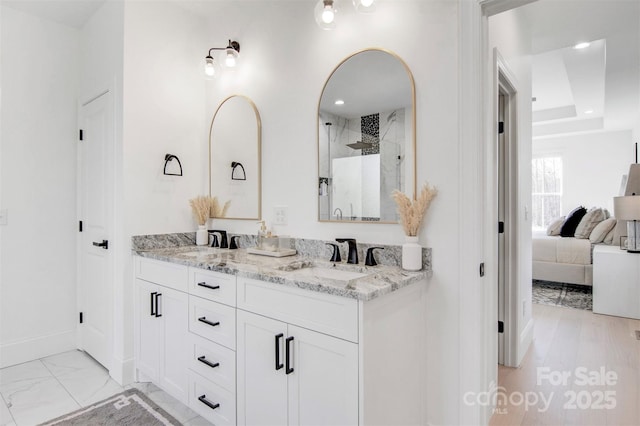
[212,324]
[203,399]
[153,297]
[278,363]
[287,355]
[211,287]
[209,363]
[158,314]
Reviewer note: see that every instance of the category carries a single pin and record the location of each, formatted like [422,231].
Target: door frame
[104,90]
[506,84]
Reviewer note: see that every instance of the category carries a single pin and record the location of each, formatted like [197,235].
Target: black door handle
[212,324]
[153,297]
[158,314]
[104,244]
[211,287]
[203,399]
[288,355]
[278,363]
[209,363]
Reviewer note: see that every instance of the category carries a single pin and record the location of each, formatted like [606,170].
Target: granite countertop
[341,279]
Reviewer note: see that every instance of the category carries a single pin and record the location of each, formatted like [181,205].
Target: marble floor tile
[84,378]
[6,419]
[32,400]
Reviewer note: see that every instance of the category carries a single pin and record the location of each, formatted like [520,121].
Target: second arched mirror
[235,157]
[366,138]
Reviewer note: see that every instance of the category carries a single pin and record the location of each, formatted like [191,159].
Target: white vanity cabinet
[291,375]
[162,337]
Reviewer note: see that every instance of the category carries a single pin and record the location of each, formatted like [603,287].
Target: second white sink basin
[337,276]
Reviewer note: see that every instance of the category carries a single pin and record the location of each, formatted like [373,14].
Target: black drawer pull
[211,287]
[158,314]
[212,324]
[104,244]
[288,355]
[279,365]
[153,297]
[209,363]
[203,399]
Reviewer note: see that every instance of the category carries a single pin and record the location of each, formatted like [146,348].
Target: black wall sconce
[231,56]
[235,173]
[167,159]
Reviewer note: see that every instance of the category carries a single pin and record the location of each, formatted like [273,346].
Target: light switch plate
[280,215]
[4,216]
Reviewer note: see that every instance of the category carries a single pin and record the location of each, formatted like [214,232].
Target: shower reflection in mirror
[362,162]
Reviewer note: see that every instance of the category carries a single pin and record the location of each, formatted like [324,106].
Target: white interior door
[96,210]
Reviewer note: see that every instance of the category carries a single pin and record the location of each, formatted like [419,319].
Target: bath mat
[128,408]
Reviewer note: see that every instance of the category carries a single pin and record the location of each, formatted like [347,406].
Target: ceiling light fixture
[325,14]
[232,52]
[339,102]
[582,45]
[589,111]
[365,6]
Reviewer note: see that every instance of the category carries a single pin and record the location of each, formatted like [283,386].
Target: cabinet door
[149,329]
[262,385]
[323,386]
[173,308]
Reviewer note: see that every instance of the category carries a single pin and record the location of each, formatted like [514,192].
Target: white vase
[202,236]
[411,254]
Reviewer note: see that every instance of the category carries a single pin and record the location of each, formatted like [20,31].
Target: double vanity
[247,339]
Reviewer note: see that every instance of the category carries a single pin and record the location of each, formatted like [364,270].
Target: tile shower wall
[387,131]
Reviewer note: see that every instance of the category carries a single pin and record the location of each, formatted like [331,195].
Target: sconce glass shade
[231,57]
[325,14]
[209,67]
[365,6]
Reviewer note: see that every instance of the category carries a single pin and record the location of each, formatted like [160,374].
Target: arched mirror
[235,158]
[366,138]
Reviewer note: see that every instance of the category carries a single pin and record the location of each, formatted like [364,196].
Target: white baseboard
[123,371]
[37,347]
[526,337]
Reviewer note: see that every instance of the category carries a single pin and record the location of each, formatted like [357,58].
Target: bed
[562,259]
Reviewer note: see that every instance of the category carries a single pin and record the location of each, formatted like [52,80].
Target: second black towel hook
[167,159]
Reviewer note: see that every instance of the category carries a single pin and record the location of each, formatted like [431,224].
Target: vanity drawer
[213,286]
[212,402]
[163,273]
[329,314]
[213,321]
[213,362]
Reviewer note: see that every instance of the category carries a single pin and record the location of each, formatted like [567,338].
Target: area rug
[562,294]
[128,408]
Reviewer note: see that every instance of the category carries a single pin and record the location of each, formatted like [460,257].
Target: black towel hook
[167,158]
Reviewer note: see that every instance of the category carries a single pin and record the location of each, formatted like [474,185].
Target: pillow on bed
[556,225]
[573,220]
[589,222]
[609,238]
[601,230]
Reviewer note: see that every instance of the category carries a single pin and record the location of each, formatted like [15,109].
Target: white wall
[286,59]
[592,166]
[38,312]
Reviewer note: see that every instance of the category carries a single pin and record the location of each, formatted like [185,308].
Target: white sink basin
[337,276]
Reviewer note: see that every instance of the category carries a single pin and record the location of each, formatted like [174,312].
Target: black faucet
[233,245]
[353,249]
[223,238]
[371,260]
[335,257]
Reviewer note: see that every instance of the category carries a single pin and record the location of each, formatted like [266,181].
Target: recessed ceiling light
[339,102]
[589,111]
[582,45]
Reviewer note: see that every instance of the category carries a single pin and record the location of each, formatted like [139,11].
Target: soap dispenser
[262,233]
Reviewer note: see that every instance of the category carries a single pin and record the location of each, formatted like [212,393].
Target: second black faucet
[353,249]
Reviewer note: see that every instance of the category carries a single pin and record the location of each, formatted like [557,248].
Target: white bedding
[576,251]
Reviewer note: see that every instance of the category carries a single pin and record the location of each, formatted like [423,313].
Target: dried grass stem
[412,212]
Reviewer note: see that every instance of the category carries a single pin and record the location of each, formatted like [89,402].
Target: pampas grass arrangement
[215,210]
[412,212]
[200,209]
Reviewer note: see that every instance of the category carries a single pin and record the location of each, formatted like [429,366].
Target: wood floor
[566,339]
